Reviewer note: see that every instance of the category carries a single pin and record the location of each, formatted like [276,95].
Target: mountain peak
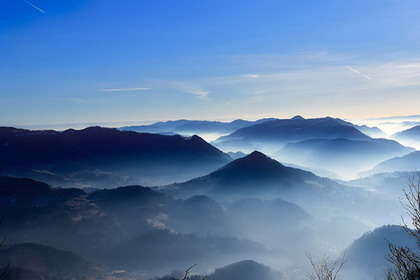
[254,162]
[256,155]
[298,117]
[255,172]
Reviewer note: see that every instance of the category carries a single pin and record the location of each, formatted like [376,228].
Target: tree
[325,268]
[405,261]
[187,272]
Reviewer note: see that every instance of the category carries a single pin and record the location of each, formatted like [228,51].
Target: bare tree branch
[187,272]
[325,268]
[406,263]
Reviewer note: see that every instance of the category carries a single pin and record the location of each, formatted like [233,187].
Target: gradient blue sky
[106,60]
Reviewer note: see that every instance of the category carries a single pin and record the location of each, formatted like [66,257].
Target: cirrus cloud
[125,89]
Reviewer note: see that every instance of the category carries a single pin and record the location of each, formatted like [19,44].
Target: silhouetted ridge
[26,193]
[11,185]
[84,153]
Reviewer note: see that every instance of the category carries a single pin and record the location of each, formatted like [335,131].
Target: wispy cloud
[252,76]
[306,86]
[125,89]
[191,87]
[354,70]
[325,81]
[199,92]
[34,6]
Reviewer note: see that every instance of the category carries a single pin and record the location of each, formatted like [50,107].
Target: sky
[98,61]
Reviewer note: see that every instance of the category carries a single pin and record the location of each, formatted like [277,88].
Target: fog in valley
[209,140]
[107,205]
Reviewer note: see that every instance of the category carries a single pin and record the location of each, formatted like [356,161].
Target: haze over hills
[272,135]
[194,126]
[99,156]
[136,227]
[409,162]
[246,270]
[201,201]
[121,227]
[409,136]
[208,139]
[205,128]
[257,175]
[346,157]
[393,183]
[371,131]
[366,257]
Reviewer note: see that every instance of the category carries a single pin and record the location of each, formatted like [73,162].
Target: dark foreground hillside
[98,156]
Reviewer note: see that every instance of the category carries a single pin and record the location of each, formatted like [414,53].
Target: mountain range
[254,173]
[194,126]
[98,156]
[393,183]
[408,162]
[409,135]
[200,126]
[120,227]
[257,175]
[195,202]
[274,134]
[346,157]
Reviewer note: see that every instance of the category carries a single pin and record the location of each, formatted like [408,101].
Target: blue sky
[103,60]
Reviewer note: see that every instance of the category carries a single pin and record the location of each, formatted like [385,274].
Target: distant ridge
[342,156]
[189,127]
[412,134]
[408,162]
[281,131]
[194,126]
